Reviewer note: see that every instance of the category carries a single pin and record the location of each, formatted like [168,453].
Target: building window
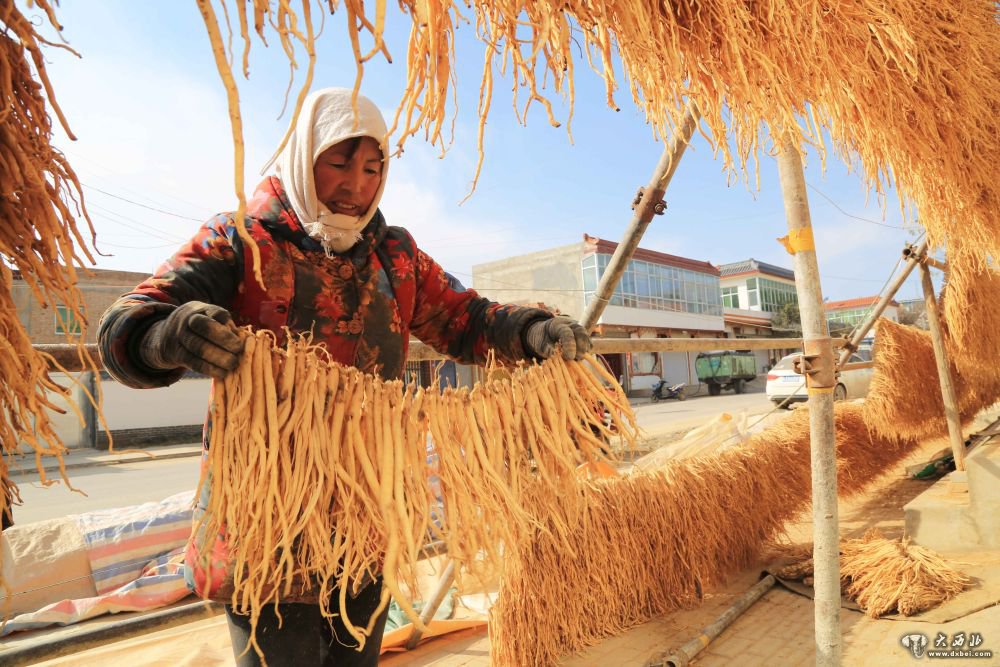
[66,322]
[774,294]
[731,297]
[849,318]
[752,299]
[645,363]
[652,286]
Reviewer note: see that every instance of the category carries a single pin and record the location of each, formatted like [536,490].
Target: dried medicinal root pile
[319,473]
[883,576]
[886,576]
[904,399]
[648,543]
[39,240]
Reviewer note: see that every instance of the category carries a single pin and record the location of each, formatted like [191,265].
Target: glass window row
[852,316]
[656,287]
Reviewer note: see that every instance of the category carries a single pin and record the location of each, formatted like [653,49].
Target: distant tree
[839,328]
[787,318]
[912,316]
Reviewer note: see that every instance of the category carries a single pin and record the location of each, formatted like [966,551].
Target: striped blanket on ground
[136,560]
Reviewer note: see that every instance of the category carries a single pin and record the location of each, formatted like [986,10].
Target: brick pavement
[778,630]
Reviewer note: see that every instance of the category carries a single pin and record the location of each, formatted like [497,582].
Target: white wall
[67,426]
[741,291]
[183,403]
[536,277]
[678,367]
[640,317]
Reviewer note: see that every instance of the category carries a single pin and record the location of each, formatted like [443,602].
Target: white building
[845,315]
[756,286]
[752,291]
[659,296]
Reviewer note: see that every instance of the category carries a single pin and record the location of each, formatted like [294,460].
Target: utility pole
[648,203]
[819,368]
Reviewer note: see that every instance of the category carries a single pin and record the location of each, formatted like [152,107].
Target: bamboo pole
[911,258]
[644,212]
[611,345]
[937,264]
[951,414]
[437,597]
[67,355]
[685,654]
[826,537]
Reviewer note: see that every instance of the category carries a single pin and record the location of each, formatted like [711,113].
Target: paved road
[672,416]
[127,484]
[106,486]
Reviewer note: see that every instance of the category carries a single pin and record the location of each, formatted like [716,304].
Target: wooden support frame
[648,205]
[951,413]
[826,529]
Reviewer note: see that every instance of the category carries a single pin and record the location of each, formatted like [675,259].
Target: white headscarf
[327,118]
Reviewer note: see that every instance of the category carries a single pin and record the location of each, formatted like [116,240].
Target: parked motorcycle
[662,391]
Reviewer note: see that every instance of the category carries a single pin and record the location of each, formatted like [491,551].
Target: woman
[332,266]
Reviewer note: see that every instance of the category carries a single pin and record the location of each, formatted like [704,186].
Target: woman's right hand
[196,335]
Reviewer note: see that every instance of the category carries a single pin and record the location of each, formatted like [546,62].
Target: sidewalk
[779,629]
[86,457]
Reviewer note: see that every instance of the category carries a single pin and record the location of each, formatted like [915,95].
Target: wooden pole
[68,356]
[826,535]
[951,414]
[437,597]
[643,215]
[912,258]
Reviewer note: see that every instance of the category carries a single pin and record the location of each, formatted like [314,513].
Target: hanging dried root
[889,576]
[303,450]
[904,399]
[904,88]
[651,542]
[40,243]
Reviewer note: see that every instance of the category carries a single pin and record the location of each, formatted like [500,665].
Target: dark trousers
[305,638]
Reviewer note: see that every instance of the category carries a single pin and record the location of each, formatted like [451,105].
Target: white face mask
[333,239]
[327,118]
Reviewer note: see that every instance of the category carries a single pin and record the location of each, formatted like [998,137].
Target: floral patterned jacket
[363,305]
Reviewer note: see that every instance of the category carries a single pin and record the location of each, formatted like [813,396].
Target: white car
[785,386]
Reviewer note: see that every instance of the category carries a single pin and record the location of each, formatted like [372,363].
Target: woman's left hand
[542,337]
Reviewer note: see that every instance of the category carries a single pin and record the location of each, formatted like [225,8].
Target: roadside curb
[85,638]
[76,461]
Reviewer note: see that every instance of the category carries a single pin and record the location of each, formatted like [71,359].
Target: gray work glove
[197,335]
[542,337]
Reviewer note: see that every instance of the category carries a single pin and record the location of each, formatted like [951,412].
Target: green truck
[726,369]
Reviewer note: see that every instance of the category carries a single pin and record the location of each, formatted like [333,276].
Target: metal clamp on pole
[848,347]
[817,364]
[647,203]
[920,254]
[659,208]
[911,257]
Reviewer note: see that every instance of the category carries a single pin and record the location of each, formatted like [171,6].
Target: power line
[112,172]
[137,227]
[851,215]
[138,247]
[135,203]
[860,280]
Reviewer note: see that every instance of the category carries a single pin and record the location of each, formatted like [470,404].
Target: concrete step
[961,512]
[983,472]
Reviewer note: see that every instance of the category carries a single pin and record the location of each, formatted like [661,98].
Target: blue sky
[149,111]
